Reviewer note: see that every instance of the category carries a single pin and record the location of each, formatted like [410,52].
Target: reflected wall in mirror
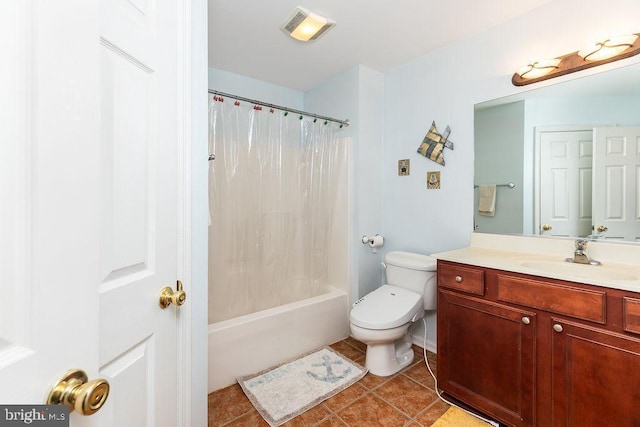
[573,151]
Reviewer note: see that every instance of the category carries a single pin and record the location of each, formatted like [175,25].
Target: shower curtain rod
[278,107]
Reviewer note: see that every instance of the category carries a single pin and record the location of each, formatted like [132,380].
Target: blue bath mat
[285,391]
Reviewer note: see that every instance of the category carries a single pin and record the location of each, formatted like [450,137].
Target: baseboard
[419,341]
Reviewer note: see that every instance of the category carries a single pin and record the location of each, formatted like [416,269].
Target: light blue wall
[499,159]
[431,88]
[357,94]
[248,87]
[593,111]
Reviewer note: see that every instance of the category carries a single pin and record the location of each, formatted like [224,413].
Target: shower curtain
[272,195]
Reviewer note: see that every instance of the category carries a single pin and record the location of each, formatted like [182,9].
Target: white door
[616,183]
[88,186]
[138,206]
[565,183]
[49,122]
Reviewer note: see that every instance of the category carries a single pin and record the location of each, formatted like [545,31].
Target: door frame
[192,211]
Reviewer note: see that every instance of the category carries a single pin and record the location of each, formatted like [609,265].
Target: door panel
[88,184]
[617,182]
[48,181]
[126,180]
[130,372]
[565,182]
[139,210]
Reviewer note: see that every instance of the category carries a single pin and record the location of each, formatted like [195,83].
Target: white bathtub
[254,342]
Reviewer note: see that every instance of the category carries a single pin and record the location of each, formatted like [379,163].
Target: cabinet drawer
[560,299]
[461,278]
[631,313]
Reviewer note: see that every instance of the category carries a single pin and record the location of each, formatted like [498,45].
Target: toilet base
[384,359]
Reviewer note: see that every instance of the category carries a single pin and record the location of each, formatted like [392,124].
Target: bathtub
[251,343]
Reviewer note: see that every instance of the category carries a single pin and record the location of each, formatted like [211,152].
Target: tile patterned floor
[406,399]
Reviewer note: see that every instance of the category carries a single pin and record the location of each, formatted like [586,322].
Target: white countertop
[545,257]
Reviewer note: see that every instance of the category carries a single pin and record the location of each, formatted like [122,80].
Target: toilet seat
[386,307]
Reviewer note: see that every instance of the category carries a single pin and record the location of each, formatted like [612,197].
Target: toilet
[381,319]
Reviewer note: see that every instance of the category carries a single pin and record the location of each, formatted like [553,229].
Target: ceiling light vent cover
[296,19]
[301,18]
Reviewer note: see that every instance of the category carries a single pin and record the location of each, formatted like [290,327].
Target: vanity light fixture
[305,25]
[537,69]
[609,50]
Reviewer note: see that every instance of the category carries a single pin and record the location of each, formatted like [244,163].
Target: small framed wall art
[404,167]
[433,180]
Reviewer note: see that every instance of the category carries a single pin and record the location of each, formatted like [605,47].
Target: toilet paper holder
[374,242]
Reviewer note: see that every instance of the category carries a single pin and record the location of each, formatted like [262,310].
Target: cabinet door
[486,356]
[595,376]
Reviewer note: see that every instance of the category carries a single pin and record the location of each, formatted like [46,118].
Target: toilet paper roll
[376,241]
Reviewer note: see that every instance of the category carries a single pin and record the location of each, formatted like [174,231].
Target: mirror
[518,138]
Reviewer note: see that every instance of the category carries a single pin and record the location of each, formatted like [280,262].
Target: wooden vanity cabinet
[595,378]
[532,351]
[486,356]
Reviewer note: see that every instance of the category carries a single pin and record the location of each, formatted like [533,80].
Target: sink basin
[582,271]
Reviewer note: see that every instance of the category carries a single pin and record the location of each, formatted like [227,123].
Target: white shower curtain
[272,194]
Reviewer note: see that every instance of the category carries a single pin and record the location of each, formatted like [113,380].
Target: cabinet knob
[557,327]
[526,320]
[459,279]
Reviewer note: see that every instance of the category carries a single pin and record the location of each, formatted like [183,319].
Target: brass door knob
[602,229]
[76,391]
[546,227]
[168,297]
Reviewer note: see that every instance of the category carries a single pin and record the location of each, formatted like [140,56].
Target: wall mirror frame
[510,134]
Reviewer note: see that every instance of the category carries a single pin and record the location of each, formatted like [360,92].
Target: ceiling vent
[305,25]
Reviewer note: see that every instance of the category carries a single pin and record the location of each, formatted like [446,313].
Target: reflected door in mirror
[617,183]
[565,183]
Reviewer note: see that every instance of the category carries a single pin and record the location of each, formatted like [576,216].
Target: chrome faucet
[580,255]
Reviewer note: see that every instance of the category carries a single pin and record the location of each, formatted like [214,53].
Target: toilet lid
[385,308]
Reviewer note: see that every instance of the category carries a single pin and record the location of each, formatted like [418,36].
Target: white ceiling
[245,36]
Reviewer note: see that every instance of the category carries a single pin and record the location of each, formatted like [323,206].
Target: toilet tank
[415,272]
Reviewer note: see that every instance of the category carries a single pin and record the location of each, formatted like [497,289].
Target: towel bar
[510,185]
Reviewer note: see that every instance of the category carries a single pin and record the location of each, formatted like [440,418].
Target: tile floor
[406,399]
